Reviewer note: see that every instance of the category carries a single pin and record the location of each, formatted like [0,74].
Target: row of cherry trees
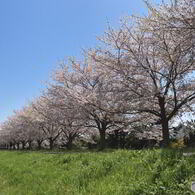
[141,73]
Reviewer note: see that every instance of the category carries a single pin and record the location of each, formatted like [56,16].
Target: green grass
[121,172]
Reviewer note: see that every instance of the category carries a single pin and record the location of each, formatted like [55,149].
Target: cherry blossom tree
[69,116]
[47,120]
[154,58]
[33,126]
[14,131]
[90,90]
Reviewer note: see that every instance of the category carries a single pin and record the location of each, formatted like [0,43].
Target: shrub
[178,143]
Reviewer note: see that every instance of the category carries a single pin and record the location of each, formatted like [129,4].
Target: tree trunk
[102,139]
[23,145]
[164,121]
[10,145]
[39,142]
[18,146]
[115,139]
[69,144]
[165,132]
[30,144]
[51,142]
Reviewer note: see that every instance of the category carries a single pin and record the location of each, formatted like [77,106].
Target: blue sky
[36,34]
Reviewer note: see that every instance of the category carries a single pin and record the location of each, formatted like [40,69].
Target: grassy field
[154,172]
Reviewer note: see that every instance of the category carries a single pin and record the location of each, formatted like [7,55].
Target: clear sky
[36,34]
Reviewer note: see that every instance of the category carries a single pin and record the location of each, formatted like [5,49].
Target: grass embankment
[117,172]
